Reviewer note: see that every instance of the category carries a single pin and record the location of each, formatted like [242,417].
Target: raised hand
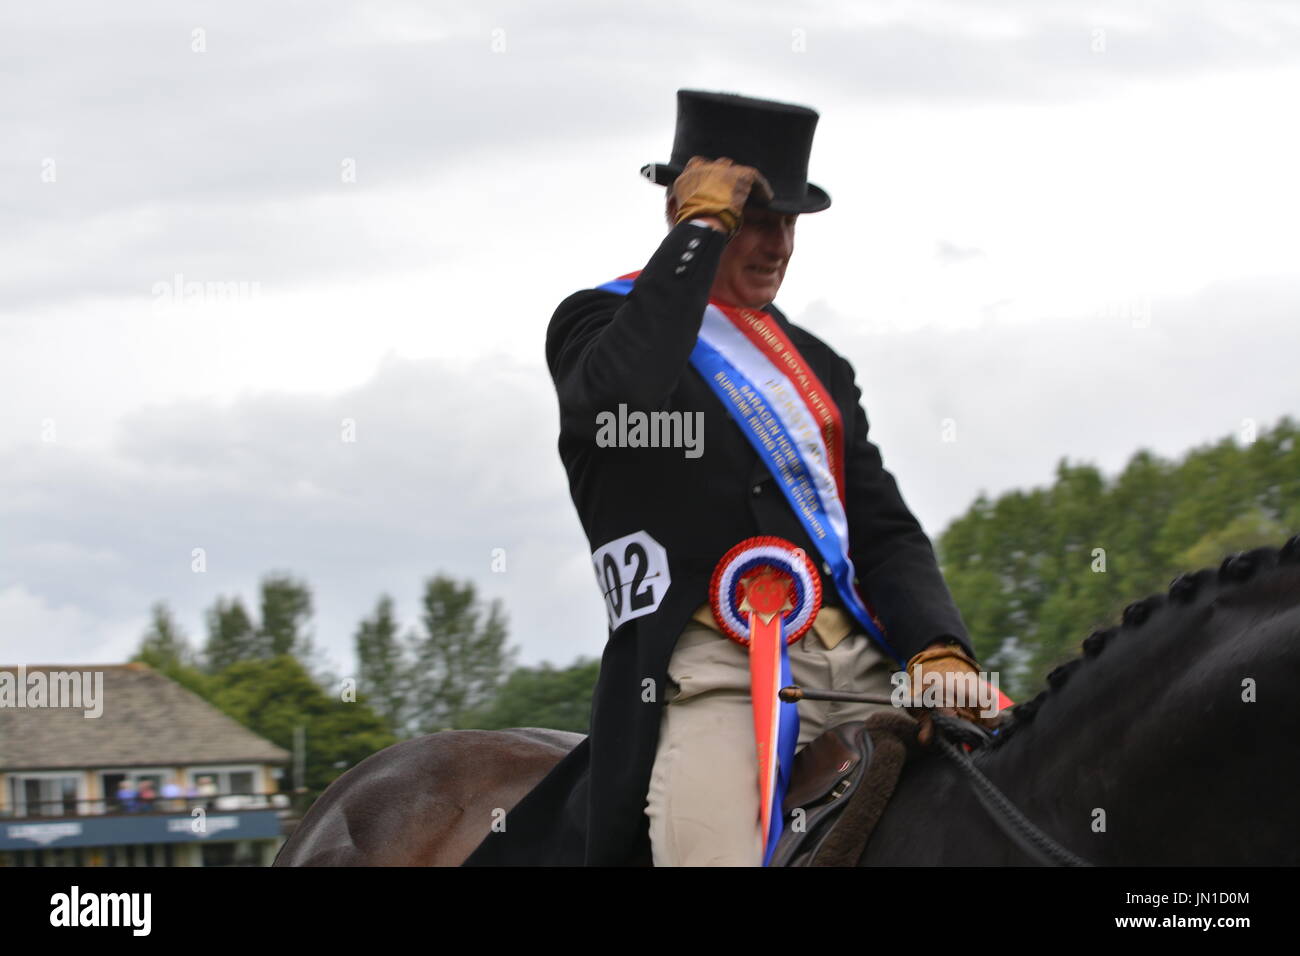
[717,187]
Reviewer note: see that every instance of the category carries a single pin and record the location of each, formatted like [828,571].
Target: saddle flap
[830,758]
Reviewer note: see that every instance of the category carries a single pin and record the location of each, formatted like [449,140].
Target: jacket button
[692,244]
[687,256]
[757,489]
[679,270]
[826,567]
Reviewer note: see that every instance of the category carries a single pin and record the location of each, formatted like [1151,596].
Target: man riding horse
[667,773]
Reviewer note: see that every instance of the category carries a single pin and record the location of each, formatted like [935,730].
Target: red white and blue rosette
[726,594]
[765,594]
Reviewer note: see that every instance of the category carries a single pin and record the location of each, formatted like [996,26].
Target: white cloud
[39,630]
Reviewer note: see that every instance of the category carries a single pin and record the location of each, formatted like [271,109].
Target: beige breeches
[703,797]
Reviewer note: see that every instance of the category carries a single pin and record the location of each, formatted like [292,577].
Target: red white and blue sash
[793,424]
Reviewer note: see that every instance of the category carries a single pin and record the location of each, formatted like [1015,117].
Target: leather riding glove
[718,187]
[942,660]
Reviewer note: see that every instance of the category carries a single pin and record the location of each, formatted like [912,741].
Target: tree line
[1033,572]
[455,670]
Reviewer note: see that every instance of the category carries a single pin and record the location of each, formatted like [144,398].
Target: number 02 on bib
[632,572]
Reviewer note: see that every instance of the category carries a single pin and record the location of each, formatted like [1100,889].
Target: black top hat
[775,138]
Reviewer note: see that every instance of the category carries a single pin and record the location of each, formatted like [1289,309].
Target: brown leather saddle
[839,786]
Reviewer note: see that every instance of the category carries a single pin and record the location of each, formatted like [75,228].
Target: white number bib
[632,572]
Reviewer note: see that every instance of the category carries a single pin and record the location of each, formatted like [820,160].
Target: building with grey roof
[117,765]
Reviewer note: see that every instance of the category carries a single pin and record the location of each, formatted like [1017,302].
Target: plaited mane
[1235,570]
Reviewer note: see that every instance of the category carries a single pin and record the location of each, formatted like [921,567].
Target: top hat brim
[817,199]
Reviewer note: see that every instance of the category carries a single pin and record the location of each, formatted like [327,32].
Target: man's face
[753,262]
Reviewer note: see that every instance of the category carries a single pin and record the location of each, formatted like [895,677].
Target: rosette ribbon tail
[765,593]
[776,724]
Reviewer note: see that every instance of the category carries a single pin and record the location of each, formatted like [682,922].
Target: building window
[135,791]
[43,795]
[224,780]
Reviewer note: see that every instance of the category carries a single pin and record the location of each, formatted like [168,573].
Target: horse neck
[1151,751]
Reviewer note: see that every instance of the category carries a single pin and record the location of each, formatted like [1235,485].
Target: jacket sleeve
[897,570]
[603,348]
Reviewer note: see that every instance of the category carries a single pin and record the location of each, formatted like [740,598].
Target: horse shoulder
[428,801]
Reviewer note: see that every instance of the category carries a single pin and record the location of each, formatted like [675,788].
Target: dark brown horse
[1170,741]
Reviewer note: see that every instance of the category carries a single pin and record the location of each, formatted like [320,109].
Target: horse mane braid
[1235,569]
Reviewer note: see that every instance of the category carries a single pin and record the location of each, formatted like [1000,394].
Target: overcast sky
[1069,228]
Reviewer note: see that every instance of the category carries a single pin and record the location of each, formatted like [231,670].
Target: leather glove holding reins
[717,187]
[942,660]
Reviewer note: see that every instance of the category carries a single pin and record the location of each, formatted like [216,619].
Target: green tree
[274,696]
[1255,529]
[459,660]
[232,636]
[167,650]
[286,609]
[383,667]
[164,644]
[1034,572]
[558,699]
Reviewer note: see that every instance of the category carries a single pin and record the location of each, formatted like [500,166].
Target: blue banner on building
[45,832]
